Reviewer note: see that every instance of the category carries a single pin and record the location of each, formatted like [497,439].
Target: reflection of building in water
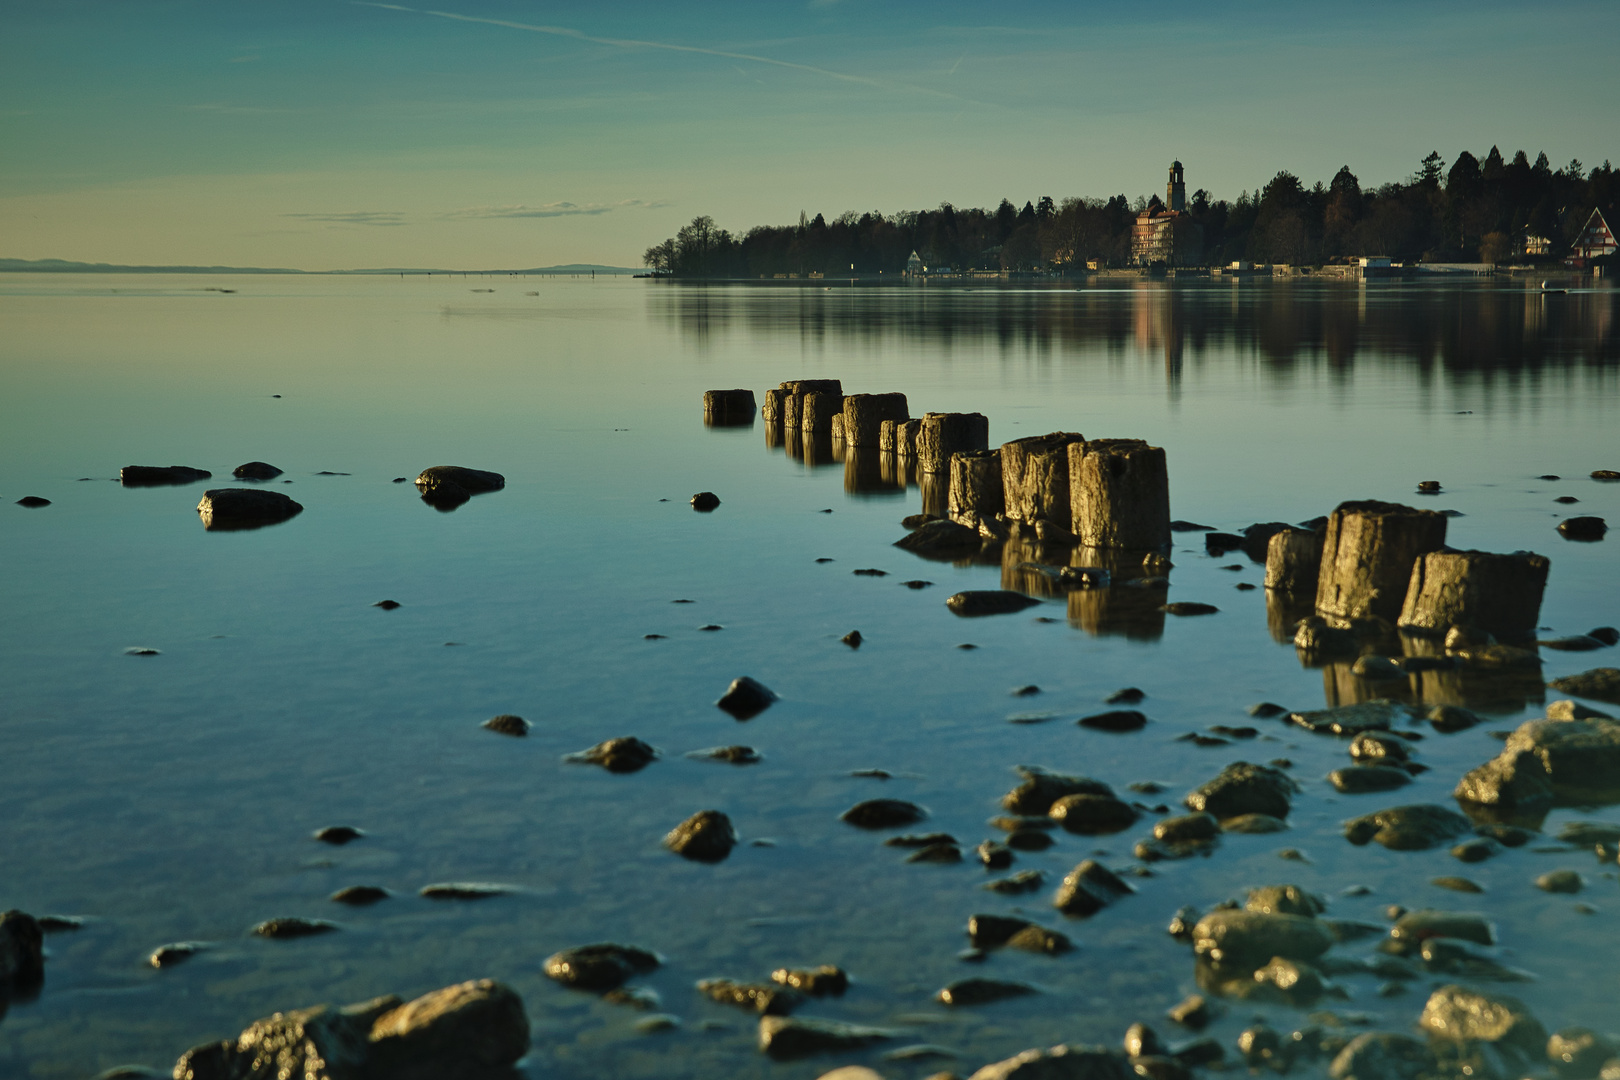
[914,265]
[1156,322]
[1164,235]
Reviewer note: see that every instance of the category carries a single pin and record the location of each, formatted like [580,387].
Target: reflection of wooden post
[975,486]
[818,410]
[863,473]
[936,493]
[940,435]
[1119,492]
[1293,561]
[1035,477]
[864,415]
[1367,557]
[1283,612]
[1499,594]
[770,409]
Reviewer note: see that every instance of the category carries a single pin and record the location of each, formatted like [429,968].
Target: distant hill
[63,266]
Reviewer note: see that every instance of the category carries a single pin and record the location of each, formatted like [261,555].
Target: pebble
[870,572]
[293,927]
[1022,882]
[599,968]
[1194,1012]
[1362,779]
[625,754]
[1189,607]
[817,982]
[1408,828]
[978,991]
[767,1000]
[1088,889]
[786,1038]
[33,501]
[704,501]
[169,955]
[1029,840]
[1560,881]
[507,724]
[1092,815]
[1243,788]
[1265,710]
[917,584]
[1472,851]
[657,1022]
[463,890]
[1457,884]
[735,755]
[979,602]
[1027,691]
[360,895]
[706,836]
[936,853]
[387,605]
[1128,696]
[853,639]
[883,814]
[994,856]
[746,698]
[1115,720]
[338,834]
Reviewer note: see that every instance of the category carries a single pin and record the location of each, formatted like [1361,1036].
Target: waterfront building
[1165,235]
[914,266]
[1595,241]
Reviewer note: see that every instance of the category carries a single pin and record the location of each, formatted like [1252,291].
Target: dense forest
[1471,211]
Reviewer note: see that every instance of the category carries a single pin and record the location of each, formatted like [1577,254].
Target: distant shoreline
[62,266]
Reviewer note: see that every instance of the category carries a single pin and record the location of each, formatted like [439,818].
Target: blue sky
[331,133]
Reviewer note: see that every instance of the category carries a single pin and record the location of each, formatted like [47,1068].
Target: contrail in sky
[633,43]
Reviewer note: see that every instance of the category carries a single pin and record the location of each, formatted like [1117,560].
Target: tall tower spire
[1176,190]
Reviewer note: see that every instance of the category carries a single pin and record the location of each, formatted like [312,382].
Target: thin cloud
[355,217]
[549,210]
[636,43]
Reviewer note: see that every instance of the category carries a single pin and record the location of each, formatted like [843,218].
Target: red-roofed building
[1595,241]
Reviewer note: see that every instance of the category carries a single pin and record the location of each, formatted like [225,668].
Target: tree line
[1471,211]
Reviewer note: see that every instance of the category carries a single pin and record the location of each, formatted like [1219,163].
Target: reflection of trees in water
[1481,329]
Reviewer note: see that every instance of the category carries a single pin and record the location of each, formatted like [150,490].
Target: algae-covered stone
[1060,1063]
[1408,828]
[1382,1055]
[1088,889]
[706,836]
[786,1038]
[1550,762]
[599,967]
[1284,900]
[1242,788]
[1459,1013]
[1041,789]
[1248,937]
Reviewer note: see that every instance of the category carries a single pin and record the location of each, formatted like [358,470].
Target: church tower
[1176,190]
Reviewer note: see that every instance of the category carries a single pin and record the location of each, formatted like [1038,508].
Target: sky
[326,134]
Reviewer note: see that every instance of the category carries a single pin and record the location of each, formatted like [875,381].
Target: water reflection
[1491,329]
[864,473]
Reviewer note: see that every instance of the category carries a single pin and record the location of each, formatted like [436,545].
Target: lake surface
[172,797]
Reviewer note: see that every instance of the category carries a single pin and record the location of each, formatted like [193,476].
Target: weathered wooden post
[1367,557]
[728,408]
[939,435]
[770,409]
[1119,494]
[1499,594]
[820,406]
[888,440]
[792,411]
[1294,561]
[864,415]
[1035,477]
[838,426]
[975,487]
[793,403]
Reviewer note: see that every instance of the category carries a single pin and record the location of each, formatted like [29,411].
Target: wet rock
[1449,719]
[1187,827]
[883,814]
[1186,918]
[1289,981]
[55,924]
[1242,788]
[1200,1052]
[1574,710]
[1413,928]
[464,890]
[1376,668]
[1560,881]
[1260,1045]
[360,895]
[293,927]
[1089,888]
[1546,762]
[387,605]
[1609,635]
[626,754]
[1092,815]
[1188,607]
[338,834]
[705,501]
[942,538]
[979,991]
[507,724]
[994,856]
[1350,720]
[1461,1014]
[1284,900]
[33,502]
[1141,1040]
[1602,684]
[174,953]
[919,840]
[746,698]
[1029,840]
[1266,710]
[936,853]
[786,1038]
[1363,779]
[767,1000]
[1381,1055]
[1024,881]
[1069,1062]
[1248,938]
[1585,527]
[1128,696]
[735,755]
[853,639]
[1219,543]
[977,602]
[1576,643]
[1506,835]
[706,836]
[1578,1053]
[1040,789]
[256,470]
[160,475]
[1477,850]
[1115,720]
[1408,828]
[22,952]
[475,1028]
[227,509]
[1457,884]
[1372,747]
[1193,1012]
[817,982]
[599,968]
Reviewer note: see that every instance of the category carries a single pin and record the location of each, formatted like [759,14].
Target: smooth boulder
[706,836]
[1549,762]
[160,475]
[1243,788]
[226,509]
[978,602]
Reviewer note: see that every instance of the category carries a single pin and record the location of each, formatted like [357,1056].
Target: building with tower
[1165,235]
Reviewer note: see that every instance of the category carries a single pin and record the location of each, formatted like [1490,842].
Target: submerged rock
[622,755]
[22,952]
[1602,684]
[766,1000]
[1284,900]
[1092,815]
[883,814]
[735,755]
[1024,881]
[1088,889]
[1362,779]
[1382,1055]
[227,509]
[160,475]
[1408,828]
[1115,720]
[1350,719]
[463,890]
[787,1038]
[360,895]
[1248,938]
[470,1029]
[599,968]
[817,981]
[174,953]
[338,834]
[706,836]
[507,724]
[941,537]
[293,927]
[977,602]
[1549,762]
[978,991]
[1040,789]
[1460,1014]
[1069,1062]
[1414,928]
[256,470]
[1254,824]
[1577,1052]
[1242,788]
[746,698]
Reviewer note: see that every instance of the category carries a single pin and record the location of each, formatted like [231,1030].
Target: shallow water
[173,797]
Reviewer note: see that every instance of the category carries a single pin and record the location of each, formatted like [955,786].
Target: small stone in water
[870,572]
[817,982]
[169,955]
[936,853]
[294,927]
[1115,720]
[1194,1012]
[1026,691]
[1560,881]
[1457,884]
[507,724]
[705,501]
[1188,607]
[853,639]
[916,584]
[387,605]
[1128,696]
[736,755]
[360,895]
[706,836]
[599,968]
[463,890]
[746,698]
[51,924]
[1479,850]
[883,814]
[1266,710]
[338,834]
[1029,840]
[33,501]
[994,856]
[1022,882]
[622,755]
[977,991]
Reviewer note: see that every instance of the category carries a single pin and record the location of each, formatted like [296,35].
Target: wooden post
[770,409]
[1035,477]
[942,434]
[793,411]
[887,440]
[815,417]
[1367,557]
[905,440]
[793,404]
[1293,561]
[1119,492]
[1499,594]
[975,486]
[864,415]
[728,407]
[838,427]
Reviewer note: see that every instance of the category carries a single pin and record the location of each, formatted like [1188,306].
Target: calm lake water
[172,797]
